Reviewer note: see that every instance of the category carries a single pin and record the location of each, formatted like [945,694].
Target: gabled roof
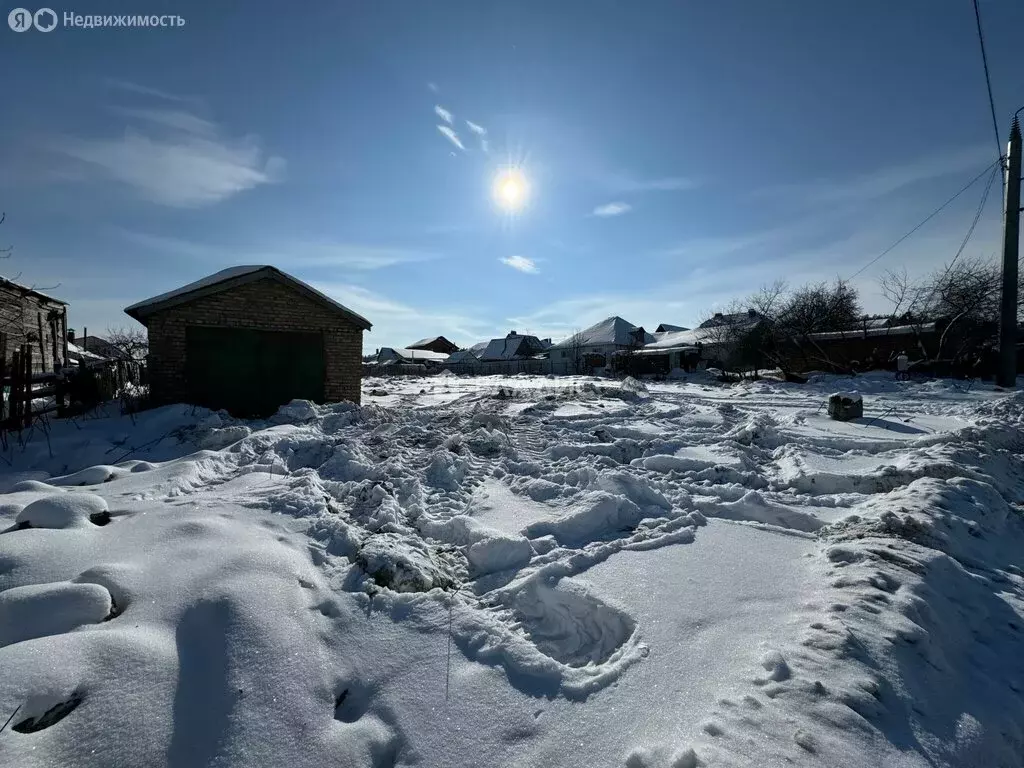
[27,291]
[511,348]
[665,327]
[720,319]
[613,331]
[673,339]
[420,355]
[427,342]
[462,356]
[232,277]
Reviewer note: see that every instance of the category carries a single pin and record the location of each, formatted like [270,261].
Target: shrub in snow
[66,510]
[402,564]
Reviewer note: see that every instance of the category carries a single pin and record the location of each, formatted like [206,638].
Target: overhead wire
[929,217]
[988,80]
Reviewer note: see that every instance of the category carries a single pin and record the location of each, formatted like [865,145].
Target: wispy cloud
[432,87]
[626,184]
[170,118]
[479,130]
[145,90]
[356,256]
[181,160]
[444,114]
[884,181]
[612,209]
[453,137]
[397,324]
[520,263]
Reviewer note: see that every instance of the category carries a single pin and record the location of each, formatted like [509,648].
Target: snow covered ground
[522,571]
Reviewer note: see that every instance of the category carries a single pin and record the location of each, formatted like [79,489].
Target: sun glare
[510,189]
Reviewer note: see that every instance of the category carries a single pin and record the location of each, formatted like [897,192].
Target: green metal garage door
[251,373]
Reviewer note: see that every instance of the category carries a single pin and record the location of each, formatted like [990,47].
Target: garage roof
[232,277]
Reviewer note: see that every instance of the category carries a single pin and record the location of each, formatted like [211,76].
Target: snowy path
[671,575]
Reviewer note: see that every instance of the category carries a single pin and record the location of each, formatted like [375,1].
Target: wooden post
[64,322]
[42,342]
[3,376]
[14,411]
[53,340]
[27,413]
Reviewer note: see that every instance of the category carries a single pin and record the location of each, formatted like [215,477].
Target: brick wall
[264,305]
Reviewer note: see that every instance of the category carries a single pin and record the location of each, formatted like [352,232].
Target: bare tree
[5,253]
[964,295]
[132,343]
[575,343]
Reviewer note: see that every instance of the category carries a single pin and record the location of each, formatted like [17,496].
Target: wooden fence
[25,395]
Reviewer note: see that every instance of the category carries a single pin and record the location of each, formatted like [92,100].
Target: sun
[510,189]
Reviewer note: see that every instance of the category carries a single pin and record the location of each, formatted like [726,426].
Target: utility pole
[1007,375]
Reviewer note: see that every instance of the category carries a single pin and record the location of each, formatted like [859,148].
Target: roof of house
[720,319]
[233,277]
[612,331]
[428,341]
[478,348]
[28,291]
[861,333]
[673,339]
[511,347]
[665,327]
[422,355]
[75,352]
[463,356]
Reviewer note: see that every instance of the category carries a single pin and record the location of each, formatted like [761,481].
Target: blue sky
[678,154]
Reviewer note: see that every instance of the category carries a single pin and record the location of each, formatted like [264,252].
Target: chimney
[71,335]
[546,341]
[718,314]
[511,334]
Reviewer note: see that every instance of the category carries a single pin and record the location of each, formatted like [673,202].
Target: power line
[988,80]
[977,217]
[928,218]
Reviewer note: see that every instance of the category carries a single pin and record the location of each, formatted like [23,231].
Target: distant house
[514,346]
[666,328]
[670,350]
[101,347]
[30,317]
[719,320]
[393,356]
[250,339]
[435,344]
[464,361]
[594,347]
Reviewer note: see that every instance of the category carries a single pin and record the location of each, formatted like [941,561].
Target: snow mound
[598,515]
[753,507]
[101,473]
[499,553]
[39,610]
[634,386]
[295,412]
[67,510]
[571,625]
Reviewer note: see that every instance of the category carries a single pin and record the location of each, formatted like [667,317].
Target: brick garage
[249,339]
